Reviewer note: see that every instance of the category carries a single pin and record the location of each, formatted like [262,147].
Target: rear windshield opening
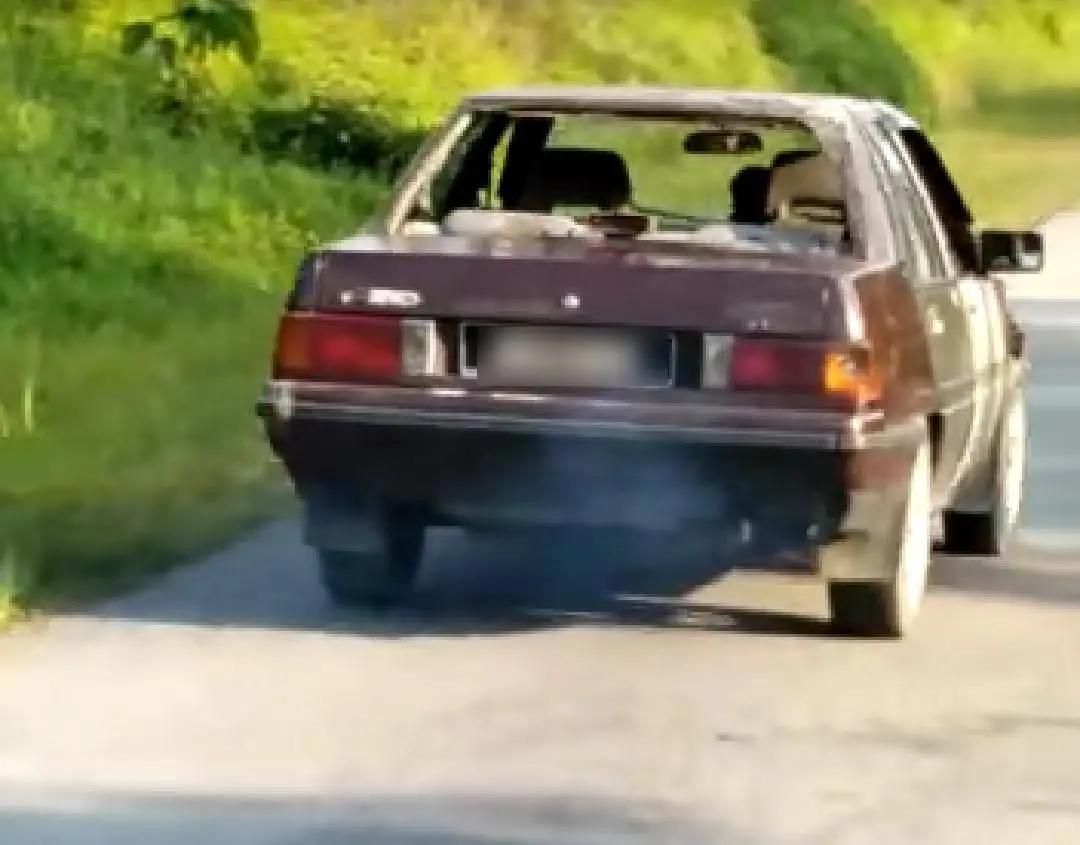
[739,182]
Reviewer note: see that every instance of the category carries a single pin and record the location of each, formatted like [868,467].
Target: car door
[940,303]
[980,297]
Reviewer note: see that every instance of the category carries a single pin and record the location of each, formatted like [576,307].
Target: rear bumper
[282,403]
[789,479]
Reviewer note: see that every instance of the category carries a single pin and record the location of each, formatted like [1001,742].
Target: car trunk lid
[578,283]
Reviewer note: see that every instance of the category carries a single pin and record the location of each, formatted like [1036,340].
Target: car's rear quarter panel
[892,326]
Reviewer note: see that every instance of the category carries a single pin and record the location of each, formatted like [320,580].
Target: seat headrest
[813,179]
[749,195]
[574,176]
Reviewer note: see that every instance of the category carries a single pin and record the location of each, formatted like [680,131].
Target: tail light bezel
[430,352]
[354,347]
[844,372]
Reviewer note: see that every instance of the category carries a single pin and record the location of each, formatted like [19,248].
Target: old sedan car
[765,318]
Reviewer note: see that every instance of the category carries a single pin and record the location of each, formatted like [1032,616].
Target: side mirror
[1004,251]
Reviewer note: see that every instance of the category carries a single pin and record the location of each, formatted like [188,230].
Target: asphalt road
[542,696]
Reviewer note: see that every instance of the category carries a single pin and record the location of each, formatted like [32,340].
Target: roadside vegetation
[164,164]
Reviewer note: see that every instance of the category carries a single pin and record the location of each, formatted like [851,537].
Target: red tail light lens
[771,365]
[339,347]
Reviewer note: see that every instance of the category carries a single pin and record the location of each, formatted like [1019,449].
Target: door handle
[933,322]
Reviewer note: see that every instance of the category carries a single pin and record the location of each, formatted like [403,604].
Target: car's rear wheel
[988,532]
[889,608]
[380,577]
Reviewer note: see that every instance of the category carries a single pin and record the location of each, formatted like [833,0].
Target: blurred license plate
[561,357]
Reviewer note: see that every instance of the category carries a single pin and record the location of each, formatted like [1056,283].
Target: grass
[139,278]
[140,274]
[1013,179]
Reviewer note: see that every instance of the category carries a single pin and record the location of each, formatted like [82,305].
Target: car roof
[660,98]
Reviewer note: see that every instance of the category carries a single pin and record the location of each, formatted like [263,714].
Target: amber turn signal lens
[850,374]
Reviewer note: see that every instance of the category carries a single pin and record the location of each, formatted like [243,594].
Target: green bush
[331,133]
[841,45]
[180,44]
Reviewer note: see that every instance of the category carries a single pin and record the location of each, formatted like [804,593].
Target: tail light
[364,348]
[845,372]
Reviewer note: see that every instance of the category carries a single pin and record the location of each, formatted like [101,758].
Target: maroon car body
[841,371]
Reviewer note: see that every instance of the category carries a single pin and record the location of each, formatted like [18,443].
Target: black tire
[973,535]
[864,609]
[888,608]
[379,578]
[987,533]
